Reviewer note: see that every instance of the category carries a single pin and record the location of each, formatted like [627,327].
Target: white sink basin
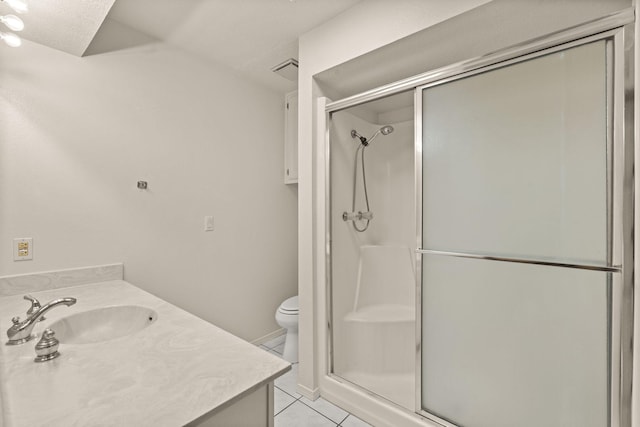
[103,324]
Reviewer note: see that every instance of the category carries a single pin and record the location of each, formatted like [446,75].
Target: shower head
[385,130]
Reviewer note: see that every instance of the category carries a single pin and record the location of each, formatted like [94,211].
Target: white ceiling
[248,36]
[67,25]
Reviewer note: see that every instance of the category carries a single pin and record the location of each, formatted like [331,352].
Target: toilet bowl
[287,317]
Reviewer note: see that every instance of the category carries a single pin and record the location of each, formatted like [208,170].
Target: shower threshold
[398,388]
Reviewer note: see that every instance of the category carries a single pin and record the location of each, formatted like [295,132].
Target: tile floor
[293,410]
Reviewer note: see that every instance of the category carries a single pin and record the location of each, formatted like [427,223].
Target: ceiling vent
[287,69]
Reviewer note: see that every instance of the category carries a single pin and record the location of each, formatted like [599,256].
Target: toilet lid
[289,306]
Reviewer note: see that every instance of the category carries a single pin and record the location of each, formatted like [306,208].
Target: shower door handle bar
[580,266]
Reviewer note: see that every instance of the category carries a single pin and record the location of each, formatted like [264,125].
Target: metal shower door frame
[620,209]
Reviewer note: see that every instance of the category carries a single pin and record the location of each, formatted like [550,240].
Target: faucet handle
[47,347]
[15,320]
[35,306]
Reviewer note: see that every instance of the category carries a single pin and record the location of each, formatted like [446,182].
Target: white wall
[76,134]
[361,29]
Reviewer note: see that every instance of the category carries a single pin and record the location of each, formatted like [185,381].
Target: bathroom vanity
[176,370]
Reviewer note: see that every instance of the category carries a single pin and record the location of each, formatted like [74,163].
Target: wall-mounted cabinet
[291,138]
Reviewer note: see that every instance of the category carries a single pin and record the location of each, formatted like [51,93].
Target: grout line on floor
[287,393]
[344,419]
[283,409]
[322,413]
[271,340]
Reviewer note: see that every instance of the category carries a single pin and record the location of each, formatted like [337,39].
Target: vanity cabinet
[291,138]
[177,371]
[253,410]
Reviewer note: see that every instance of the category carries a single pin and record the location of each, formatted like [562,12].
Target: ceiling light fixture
[10,39]
[19,6]
[13,22]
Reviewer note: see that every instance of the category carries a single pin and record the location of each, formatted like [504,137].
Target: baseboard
[269,336]
[311,394]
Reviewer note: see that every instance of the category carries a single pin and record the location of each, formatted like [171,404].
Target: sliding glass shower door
[482,275]
[520,242]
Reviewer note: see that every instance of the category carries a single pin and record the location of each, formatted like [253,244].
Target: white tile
[289,382]
[353,421]
[300,415]
[275,342]
[326,408]
[281,400]
[279,349]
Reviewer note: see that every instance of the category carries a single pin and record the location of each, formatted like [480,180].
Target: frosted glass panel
[514,159]
[508,344]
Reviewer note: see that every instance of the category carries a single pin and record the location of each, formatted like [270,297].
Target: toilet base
[290,352]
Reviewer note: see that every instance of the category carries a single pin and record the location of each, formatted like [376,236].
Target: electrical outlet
[23,249]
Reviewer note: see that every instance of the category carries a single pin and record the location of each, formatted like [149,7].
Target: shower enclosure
[373,235]
[480,249]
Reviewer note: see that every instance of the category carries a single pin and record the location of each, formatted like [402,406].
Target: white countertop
[167,374]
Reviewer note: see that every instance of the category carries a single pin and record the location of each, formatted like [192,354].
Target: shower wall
[390,177]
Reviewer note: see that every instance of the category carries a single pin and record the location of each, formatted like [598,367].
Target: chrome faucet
[20,332]
[35,305]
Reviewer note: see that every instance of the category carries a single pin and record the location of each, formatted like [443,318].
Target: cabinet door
[291,138]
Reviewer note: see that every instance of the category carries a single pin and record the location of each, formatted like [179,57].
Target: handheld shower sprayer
[367,215]
[386,130]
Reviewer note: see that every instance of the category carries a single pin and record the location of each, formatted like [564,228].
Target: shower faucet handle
[357,216]
[349,216]
[365,215]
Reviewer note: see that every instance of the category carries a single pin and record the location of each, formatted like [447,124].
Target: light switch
[23,249]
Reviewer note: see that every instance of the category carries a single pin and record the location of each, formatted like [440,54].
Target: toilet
[287,317]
